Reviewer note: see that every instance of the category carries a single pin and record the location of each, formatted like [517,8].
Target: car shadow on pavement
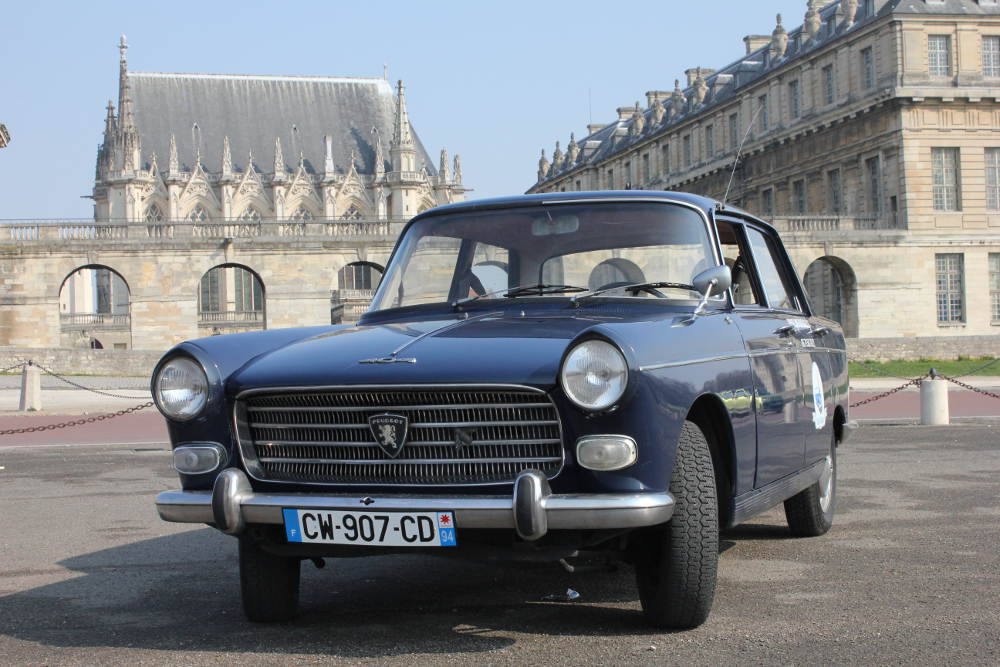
[181,593]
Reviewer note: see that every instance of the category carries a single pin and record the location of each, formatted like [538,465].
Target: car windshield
[551,251]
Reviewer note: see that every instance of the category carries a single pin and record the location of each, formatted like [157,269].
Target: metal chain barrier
[77,422]
[17,365]
[876,397]
[80,386]
[976,370]
[969,386]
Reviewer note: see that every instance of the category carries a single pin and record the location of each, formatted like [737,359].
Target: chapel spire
[127,142]
[403,149]
[401,134]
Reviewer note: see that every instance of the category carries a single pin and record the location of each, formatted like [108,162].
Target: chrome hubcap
[826,484]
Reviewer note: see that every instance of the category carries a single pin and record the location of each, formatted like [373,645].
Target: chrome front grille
[456,435]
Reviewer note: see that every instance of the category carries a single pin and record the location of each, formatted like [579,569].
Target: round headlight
[594,375]
[181,388]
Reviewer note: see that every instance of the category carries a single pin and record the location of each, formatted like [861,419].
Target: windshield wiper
[542,288]
[520,290]
[635,288]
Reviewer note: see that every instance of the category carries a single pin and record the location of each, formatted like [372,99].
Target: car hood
[484,348]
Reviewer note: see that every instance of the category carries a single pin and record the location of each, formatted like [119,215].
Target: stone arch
[95,300]
[615,270]
[231,297]
[250,213]
[832,288]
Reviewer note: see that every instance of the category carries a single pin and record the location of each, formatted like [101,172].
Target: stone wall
[66,361]
[929,347]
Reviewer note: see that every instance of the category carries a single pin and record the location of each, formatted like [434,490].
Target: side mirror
[713,281]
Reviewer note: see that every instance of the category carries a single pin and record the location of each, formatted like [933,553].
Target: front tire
[676,563]
[810,512]
[269,584]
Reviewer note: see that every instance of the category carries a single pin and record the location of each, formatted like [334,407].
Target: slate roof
[729,81]
[253,110]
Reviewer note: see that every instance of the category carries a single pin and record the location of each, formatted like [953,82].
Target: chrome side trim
[534,510]
[759,500]
[690,362]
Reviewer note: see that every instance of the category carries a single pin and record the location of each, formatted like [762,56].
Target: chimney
[755,42]
[693,73]
[653,95]
[625,113]
[595,127]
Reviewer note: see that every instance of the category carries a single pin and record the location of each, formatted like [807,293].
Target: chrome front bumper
[532,510]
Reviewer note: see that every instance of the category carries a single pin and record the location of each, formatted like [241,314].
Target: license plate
[390,529]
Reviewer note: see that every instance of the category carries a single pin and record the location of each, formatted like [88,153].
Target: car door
[766,307]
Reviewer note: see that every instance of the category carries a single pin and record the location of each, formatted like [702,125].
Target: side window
[777,287]
[738,258]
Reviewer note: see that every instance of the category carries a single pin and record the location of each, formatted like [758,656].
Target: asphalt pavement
[909,574]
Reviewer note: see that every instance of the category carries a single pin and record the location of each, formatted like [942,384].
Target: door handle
[785,330]
[820,330]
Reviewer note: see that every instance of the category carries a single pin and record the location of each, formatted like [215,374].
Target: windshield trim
[706,221]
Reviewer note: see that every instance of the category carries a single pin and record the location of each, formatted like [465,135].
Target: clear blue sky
[494,82]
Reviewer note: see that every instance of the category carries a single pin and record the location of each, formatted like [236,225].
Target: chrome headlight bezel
[587,367]
[197,384]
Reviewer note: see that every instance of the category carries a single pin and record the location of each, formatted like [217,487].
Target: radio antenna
[739,152]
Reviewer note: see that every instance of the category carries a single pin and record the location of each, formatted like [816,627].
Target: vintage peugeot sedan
[541,375]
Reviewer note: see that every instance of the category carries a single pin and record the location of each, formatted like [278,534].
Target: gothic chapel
[213,147]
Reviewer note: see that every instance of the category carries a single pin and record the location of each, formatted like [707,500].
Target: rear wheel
[810,512]
[676,563]
[269,584]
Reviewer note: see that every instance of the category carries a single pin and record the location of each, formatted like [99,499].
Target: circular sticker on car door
[819,402]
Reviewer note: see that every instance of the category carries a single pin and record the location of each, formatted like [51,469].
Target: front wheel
[269,584]
[810,512]
[676,563]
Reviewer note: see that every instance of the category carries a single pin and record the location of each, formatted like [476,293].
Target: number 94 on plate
[390,529]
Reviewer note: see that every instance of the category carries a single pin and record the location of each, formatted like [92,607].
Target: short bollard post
[31,388]
[934,401]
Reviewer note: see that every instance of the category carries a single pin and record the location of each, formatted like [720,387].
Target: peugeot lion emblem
[390,432]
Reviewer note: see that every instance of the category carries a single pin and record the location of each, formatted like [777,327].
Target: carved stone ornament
[813,21]
[850,10]
[779,40]
[543,166]
[700,91]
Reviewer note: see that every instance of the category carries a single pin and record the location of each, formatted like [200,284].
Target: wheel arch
[710,414]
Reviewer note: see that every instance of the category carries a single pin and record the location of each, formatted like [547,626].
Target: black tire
[269,584]
[810,512]
[676,563]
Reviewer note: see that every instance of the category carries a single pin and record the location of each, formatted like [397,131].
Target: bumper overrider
[532,509]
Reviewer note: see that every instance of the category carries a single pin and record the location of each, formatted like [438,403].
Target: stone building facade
[870,136]
[202,225]
[4,136]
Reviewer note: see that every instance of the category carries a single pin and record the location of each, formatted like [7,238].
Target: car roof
[706,204]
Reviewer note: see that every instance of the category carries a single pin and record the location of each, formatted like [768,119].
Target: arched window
[198,214]
[352,213]
[302,214]
[231,296]
[831,286]
[250,214]
[360,276]
[154,214]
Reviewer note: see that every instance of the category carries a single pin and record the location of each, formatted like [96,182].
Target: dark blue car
[625,372]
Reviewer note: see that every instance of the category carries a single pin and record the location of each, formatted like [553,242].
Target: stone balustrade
[26,232]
